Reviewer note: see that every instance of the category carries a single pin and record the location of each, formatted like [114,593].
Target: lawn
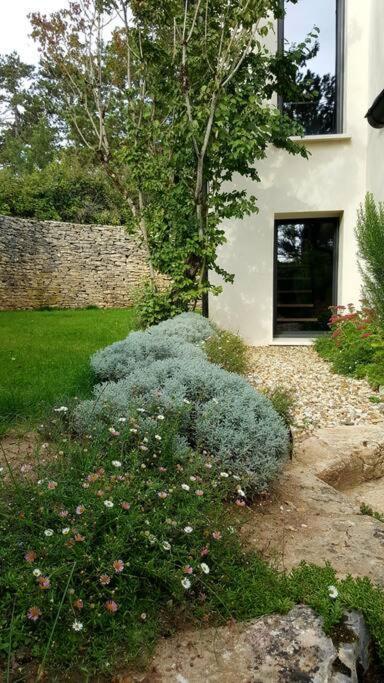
[44,356]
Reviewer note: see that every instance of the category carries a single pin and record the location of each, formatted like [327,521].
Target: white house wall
[334,181]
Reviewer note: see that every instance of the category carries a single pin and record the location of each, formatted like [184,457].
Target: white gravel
[322,398]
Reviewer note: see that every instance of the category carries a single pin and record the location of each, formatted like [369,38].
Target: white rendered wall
[334,181]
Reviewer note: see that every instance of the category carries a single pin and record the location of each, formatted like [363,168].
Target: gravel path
[322,398]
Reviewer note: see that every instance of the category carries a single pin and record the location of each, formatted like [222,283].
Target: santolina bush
[174,338]
[217,411]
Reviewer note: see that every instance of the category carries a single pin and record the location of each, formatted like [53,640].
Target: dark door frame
[336,219]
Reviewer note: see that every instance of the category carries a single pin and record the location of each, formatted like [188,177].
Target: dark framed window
[318,100]
[305,275]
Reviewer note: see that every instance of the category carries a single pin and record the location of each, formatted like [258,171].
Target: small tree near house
[173,100]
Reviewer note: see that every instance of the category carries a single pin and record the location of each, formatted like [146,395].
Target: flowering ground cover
[126,531]
[108,545]
[44,356]
[356,344]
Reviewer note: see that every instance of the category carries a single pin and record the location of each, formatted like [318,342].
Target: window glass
[315,107]
[305,274]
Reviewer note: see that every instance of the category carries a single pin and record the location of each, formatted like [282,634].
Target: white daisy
[66,530]
[166,545]
[186,583]
[108,504]
[48,532]
[185,487]
[157,437]
[204,568]
[77,625]
[188,529]
[333,592]
[116,463]
[160,417]
[36,572]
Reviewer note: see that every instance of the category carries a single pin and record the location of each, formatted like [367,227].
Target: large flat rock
[273,649]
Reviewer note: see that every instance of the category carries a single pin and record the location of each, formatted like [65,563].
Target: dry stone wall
[67,265]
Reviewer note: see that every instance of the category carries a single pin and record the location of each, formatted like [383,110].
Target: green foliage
[367,510]
[154,304]
[44,356]
[171,123]
[283,402]
[228,350]
[64,190]
[356,345]
[370,238]
[138,538]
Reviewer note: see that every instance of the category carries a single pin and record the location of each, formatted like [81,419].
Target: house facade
[298,255]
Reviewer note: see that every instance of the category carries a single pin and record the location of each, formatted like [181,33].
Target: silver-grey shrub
[138,350]
[217,411]
[191,327]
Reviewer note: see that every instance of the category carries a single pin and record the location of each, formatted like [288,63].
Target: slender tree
[173,99]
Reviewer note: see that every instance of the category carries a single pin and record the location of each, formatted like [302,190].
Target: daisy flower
[333,592]
[157,437]
[34,613]
[77,625]
[160,417]
[105,579]
[30,556]
[118,566]
[48,532]
[204,552]
[52,485]
[116,463]
[108,504]
[125,505]
[204,568]
[186,583]
[44,583]
[80,509]
[111,606]
[199,492]
[162,494]
[188,569]
[188,529]
[113,431]
[66,530]
[166,545]
[216,535]
[36,572]
[185,487]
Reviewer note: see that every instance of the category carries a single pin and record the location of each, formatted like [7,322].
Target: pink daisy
[118,566]
[111,606]
[216,535]
[30,556]
[34,613]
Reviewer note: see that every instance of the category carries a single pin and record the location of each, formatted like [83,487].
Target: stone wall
[67,265]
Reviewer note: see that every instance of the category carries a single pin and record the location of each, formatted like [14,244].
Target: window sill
[327,137]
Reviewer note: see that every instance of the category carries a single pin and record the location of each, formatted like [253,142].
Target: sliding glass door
[305,274]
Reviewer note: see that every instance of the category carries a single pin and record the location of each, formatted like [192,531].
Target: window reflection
[315,105]
[305,274]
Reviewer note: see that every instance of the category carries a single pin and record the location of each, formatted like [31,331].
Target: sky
[301,19]
[15,27]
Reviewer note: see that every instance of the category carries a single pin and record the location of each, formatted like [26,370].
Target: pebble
[321,397]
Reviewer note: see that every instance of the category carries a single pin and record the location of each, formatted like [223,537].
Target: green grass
[44,356]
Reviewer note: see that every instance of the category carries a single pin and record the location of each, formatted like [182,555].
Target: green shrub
[154,304]
[370,238]
[356,344]
[229,351]
[283,401]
